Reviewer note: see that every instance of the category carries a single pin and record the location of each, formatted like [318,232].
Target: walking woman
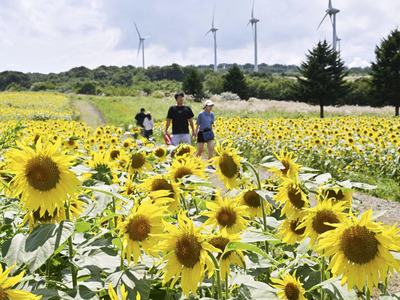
[148,124]
[204,123]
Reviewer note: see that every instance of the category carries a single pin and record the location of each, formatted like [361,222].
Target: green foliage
[322,78]
[87,88]
[193,85]
[42,86]
[214,83]
[235,82]
[386,72]
[15,87]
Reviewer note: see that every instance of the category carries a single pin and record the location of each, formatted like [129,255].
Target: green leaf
[82,226]
[13,250]
[44,241]
[243,246]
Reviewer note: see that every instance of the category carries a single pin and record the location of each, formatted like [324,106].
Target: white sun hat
[208,103]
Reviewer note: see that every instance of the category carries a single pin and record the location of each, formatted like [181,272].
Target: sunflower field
[102,213]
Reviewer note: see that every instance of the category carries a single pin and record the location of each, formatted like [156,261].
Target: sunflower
[163,183]
[129,188]
[138,229]
[7,282]
[336,193]
[290,168]
[219,241]
[253,201]
[227,163]
[290,286]
[138,163]
[34,218]
[187,254]
[226,213]
[318,219]
[289,230]
[102,169]
[42,176]
[187,165]
[160,153]
[360,251]
[292,197]
[113,295]
[183,149]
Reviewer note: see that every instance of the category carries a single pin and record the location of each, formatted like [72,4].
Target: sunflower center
[159,152]
[138,228]
[3,295]
[226,217]
[338,196]
[182,151]
[323,216]
[183,171]
[220,243]
[187,250]
[114,154]
[252,199]
[293,226]
[286,167]
[42,173]
[228,166]
[137,160]
[359,245]
[291,291]
[294,195]
[161,184]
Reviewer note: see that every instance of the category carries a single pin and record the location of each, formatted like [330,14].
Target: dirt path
[89,113]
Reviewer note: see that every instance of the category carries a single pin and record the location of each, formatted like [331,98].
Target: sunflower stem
[256,173]
[367,293]
[71,249]
[323,267]
[217,274]
[185,206]
[226,286]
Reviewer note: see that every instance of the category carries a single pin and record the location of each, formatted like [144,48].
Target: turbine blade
[207,32]
[137,30]
[212,23]
[330,4]
[252,11]
[322,20]
[330,17]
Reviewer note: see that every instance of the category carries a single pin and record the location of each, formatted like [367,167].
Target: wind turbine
[141,43]
[331,12]
[253,22]
[214,33]
[338,42]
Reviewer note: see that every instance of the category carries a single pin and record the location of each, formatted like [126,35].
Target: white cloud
[54,36]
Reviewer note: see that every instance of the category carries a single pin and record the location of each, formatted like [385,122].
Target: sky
[48,36]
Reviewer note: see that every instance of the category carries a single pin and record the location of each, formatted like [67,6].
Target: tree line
[321,79]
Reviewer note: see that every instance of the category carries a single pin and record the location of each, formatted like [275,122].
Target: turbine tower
[253,22]
[331,11]
[214,33]
[141,43]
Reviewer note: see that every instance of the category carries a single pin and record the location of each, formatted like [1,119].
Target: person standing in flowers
[148,125]
[181,116]
[204,123]
[139,118]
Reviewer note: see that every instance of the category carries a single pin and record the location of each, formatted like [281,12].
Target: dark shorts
[200,137]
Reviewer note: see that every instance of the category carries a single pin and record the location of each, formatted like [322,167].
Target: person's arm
[167,126]
[197,130]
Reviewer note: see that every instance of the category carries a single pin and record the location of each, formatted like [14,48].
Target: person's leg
[210,145]
[201,148]
[175,139]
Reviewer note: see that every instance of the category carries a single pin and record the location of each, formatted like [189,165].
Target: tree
[193,85]
[321,79]
[386,72]
[235,82]
[87,88]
